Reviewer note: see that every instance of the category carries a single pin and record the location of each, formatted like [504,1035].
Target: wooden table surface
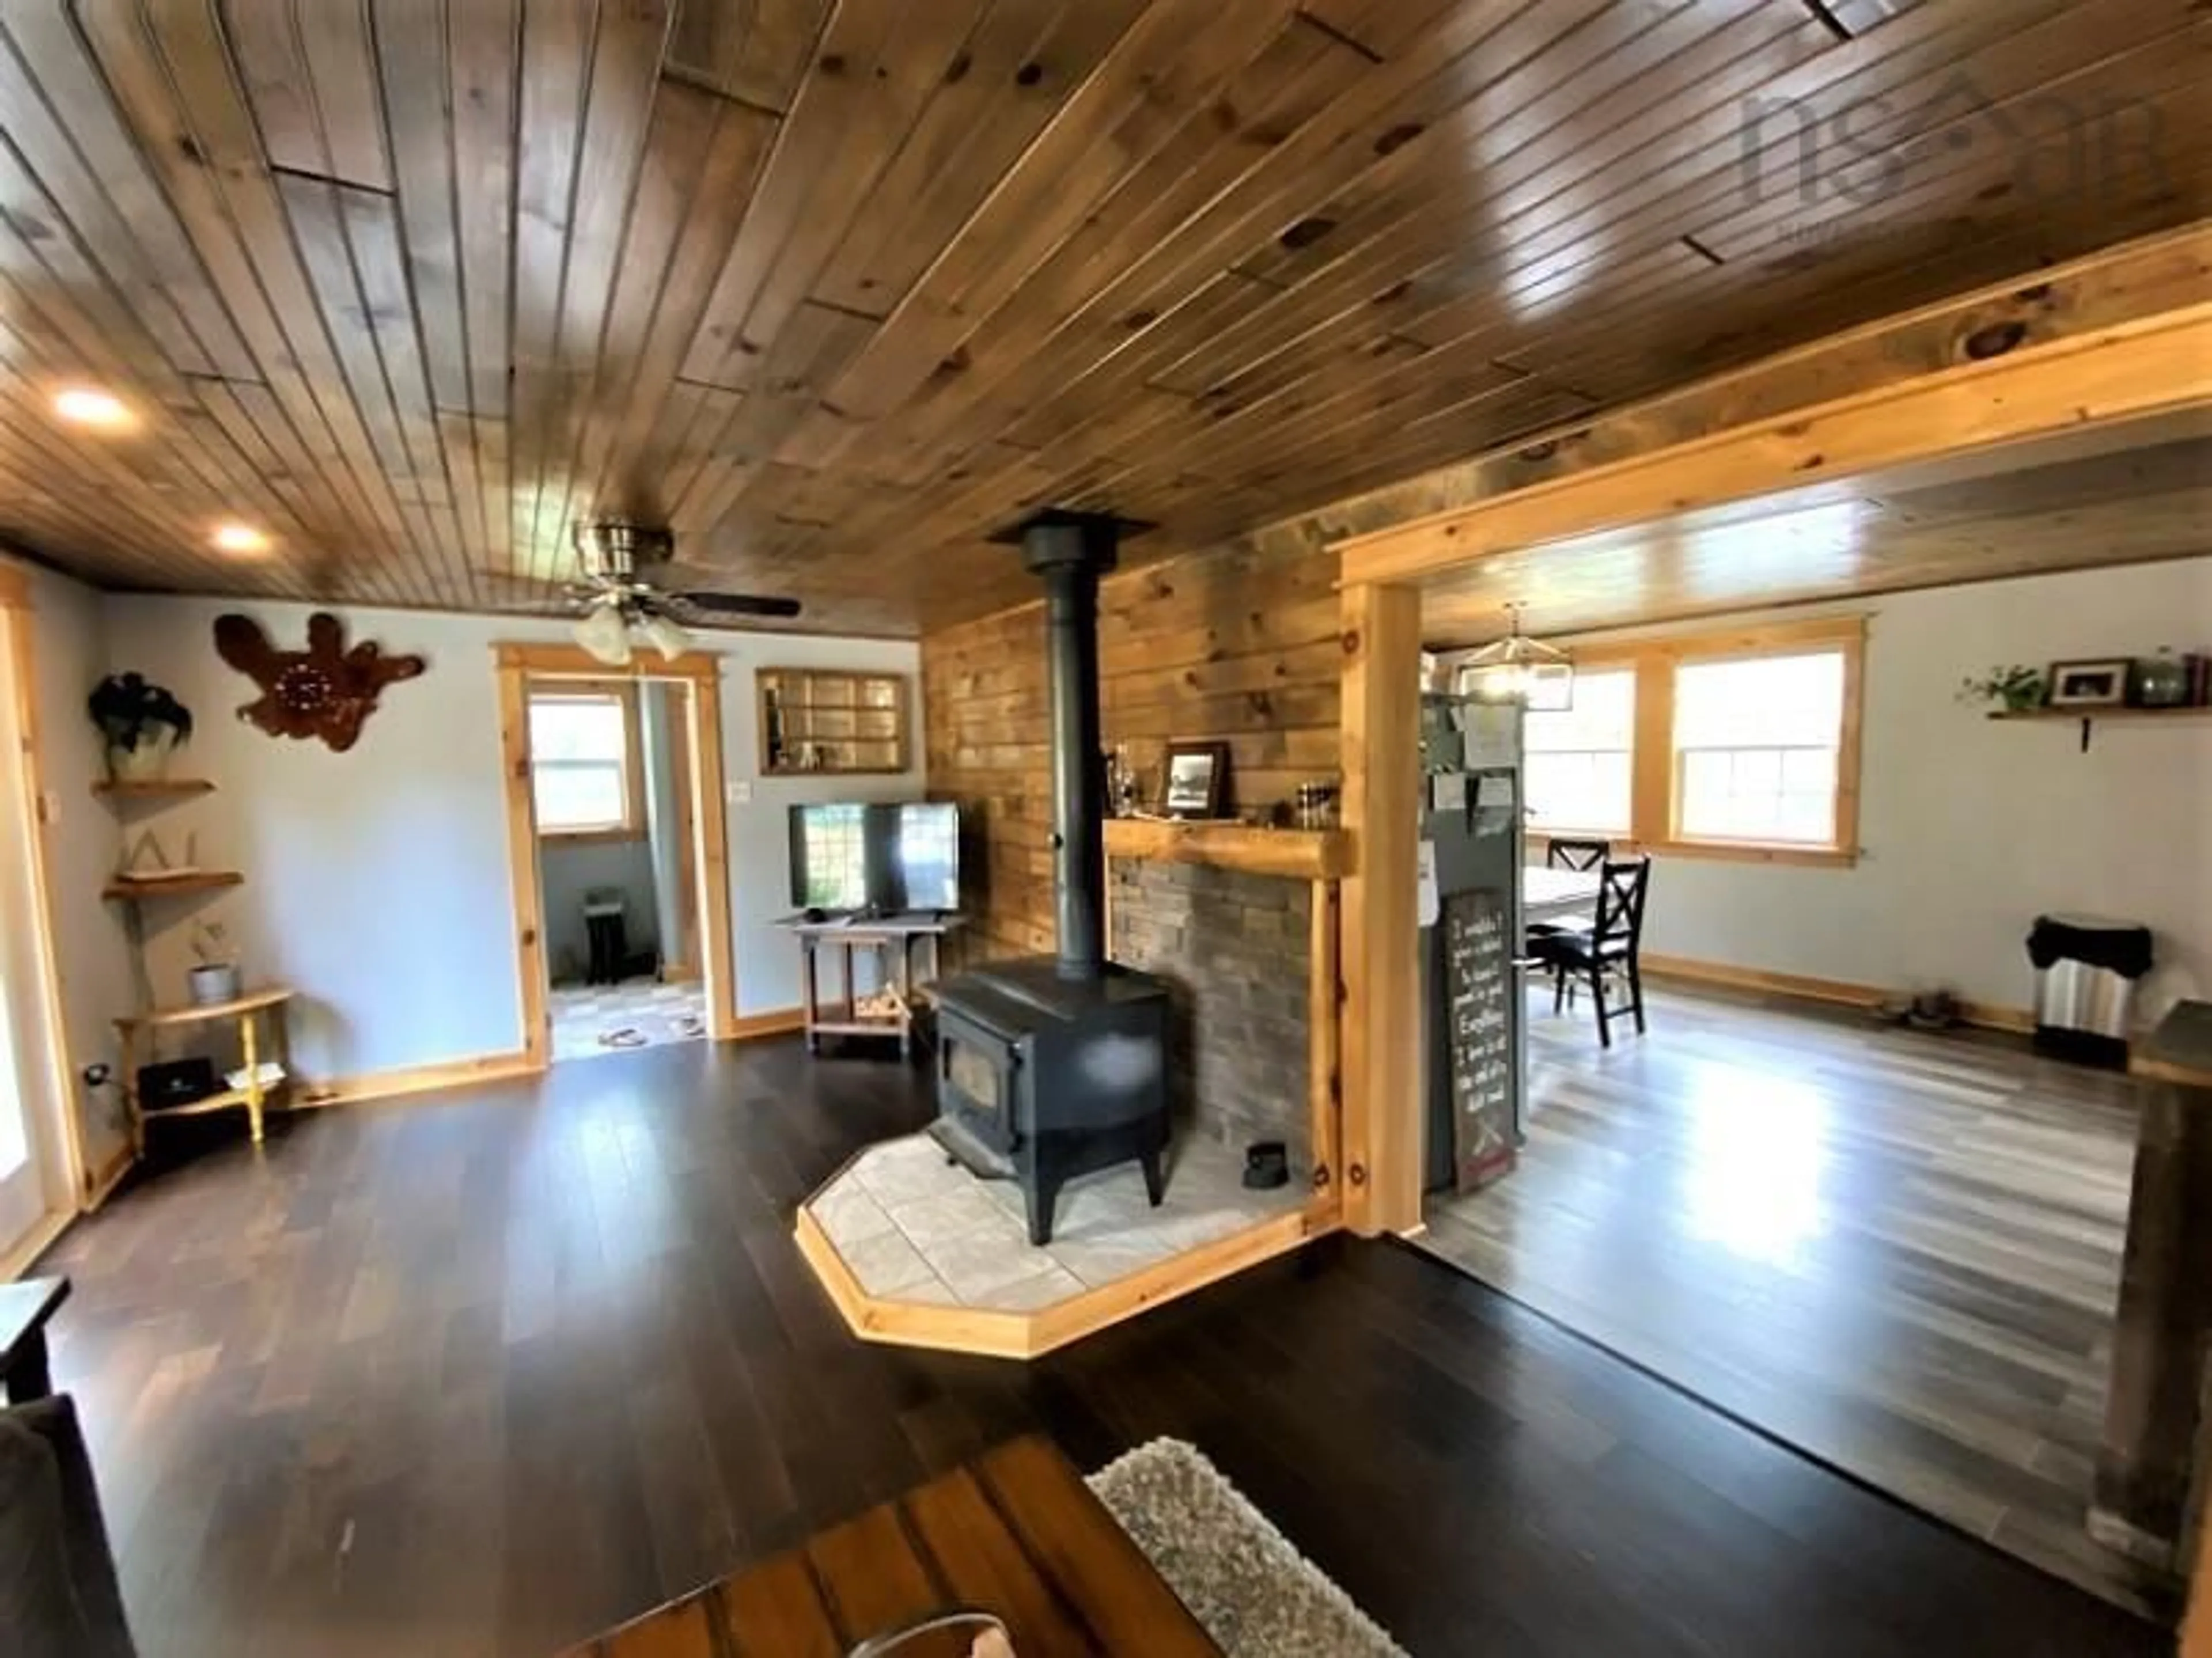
[1015,1533]
[1550,894]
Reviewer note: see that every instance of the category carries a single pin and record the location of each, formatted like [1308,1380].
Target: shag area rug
[1257,1596]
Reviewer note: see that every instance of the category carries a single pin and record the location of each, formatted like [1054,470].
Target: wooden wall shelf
[135,887]
[2116,712]
[183,1013]
[154,788]
[2088,716]
[1298,854]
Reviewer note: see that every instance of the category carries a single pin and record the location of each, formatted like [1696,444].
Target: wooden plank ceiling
[2126,495]
[834,289]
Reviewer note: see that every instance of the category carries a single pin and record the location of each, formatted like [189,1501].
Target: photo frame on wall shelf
[1197,780]
[2098,683]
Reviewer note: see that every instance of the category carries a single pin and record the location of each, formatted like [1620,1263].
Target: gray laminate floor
[1900,1251]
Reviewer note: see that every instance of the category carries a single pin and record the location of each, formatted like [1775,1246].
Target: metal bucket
[2074,996]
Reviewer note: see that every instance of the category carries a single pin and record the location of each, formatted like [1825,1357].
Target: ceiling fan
[618,594]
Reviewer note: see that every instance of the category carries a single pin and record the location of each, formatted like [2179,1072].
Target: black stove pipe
[1070,551]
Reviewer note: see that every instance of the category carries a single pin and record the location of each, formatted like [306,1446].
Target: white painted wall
[760,841]
[1972,828]
[377,880]
[69,651]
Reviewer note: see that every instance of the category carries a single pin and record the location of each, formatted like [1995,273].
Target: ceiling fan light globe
[665,636]
[605,636]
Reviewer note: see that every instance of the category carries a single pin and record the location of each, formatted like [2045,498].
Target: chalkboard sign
[1479,1034]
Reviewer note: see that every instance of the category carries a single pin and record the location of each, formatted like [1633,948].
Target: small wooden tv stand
[888,1011]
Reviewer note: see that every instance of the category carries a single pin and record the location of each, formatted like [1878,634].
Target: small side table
[890,936]
[248,1010]
[25,1307]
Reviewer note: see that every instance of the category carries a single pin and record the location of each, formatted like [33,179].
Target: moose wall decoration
[326,690]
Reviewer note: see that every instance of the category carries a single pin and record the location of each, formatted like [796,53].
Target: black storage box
[173,1082]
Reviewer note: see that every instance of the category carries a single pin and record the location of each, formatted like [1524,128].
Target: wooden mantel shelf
[1299,854]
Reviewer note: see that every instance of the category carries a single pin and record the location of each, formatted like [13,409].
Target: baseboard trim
[780,1023]
[24,1256]
[1836,992]
[413,1079]
[98,1187]
[486,1068]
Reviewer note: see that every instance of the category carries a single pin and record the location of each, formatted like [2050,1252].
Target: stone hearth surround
[1236,950]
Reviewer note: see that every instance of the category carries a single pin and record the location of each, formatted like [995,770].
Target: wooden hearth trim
[899,1323]
[1296,854]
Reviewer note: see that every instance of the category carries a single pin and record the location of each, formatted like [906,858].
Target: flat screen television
[888,857]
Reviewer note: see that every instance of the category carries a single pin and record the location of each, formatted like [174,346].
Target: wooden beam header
[2150,277]
[2143,368]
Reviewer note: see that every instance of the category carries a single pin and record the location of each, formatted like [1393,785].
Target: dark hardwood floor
[488,1375]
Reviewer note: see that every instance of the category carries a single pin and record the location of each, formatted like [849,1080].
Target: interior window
[581,764]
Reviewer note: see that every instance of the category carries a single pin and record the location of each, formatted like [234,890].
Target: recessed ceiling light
[88,406]
[239,538]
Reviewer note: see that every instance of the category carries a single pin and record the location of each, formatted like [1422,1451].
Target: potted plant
[2017,688]
[142,723]
[216,979]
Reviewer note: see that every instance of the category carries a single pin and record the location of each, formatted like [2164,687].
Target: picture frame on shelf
[1196,783]
[2099,682]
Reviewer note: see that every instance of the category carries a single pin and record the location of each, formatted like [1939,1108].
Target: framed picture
[2101,684]
[1197,778]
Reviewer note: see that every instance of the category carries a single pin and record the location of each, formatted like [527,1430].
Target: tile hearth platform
[915,1249]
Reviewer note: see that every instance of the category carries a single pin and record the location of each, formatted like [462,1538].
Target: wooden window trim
[624,692]
[1654,798]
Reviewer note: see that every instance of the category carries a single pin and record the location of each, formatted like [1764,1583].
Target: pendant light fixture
[1519,669]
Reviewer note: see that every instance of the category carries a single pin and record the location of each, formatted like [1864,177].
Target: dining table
[1556,895]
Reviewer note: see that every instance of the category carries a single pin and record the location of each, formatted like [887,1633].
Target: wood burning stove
[1051,1067]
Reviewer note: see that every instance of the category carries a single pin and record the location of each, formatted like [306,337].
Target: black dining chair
[1569,854]
[1613,945]
[1576,854]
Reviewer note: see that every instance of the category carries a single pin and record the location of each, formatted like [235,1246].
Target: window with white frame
[1758,747]
[583,761]
[1578,767]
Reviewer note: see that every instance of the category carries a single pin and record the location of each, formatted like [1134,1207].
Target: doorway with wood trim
[617,851]
[41,1163]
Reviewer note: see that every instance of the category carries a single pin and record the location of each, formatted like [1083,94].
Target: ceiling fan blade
[712,603]
[523,595]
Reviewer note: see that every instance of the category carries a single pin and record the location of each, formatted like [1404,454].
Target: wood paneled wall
[1233,645]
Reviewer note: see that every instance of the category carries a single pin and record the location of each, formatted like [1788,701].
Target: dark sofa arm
[58,1596]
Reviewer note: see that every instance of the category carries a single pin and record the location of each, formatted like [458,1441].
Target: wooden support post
[712,853]
[522,861]
[1324,1072]
[1380,718]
